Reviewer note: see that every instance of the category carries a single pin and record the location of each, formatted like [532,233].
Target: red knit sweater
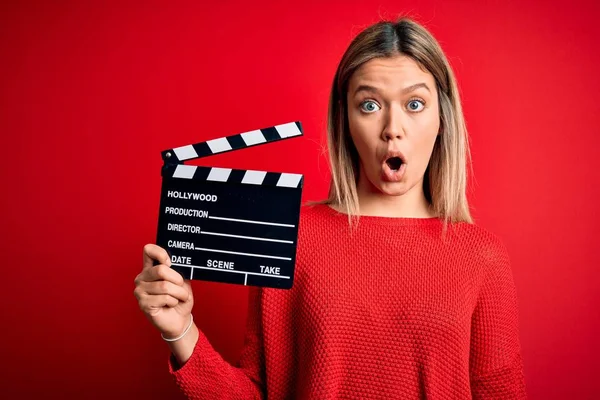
[391,311]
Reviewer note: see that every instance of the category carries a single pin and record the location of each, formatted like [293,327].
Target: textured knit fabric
[392,310]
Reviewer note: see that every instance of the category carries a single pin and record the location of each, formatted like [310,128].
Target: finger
[157,273]
[165,287]
[163,273]
[153,252]
[150,302]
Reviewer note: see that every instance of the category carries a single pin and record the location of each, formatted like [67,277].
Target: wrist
[184,348]
[171,337]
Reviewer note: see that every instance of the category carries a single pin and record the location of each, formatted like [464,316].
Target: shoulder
[485,246]
[314,214]
[318,225]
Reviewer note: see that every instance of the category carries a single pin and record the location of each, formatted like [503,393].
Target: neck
[411,204]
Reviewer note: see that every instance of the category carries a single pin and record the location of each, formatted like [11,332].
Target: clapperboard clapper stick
[230,225]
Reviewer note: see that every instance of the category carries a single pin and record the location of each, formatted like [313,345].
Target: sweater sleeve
[496,367]
[206,375]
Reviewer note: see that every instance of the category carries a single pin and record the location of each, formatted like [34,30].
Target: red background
[91,93]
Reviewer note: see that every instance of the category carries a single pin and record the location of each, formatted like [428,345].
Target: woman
[396,294]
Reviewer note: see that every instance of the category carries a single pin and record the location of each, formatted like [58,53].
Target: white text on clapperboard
[189,212]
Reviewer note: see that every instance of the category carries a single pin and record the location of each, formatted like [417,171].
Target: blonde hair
[445,178]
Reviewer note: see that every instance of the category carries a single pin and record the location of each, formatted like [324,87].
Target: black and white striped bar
[233,142]
[241,176]
[231,225]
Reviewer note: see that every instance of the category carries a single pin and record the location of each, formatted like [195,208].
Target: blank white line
[246,237]
[251,222]
[228,270]
[245,279]
[243,254]
[191,274]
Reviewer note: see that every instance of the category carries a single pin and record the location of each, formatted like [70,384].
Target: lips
[393,166]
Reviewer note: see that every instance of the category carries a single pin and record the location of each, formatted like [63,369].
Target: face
[394,120]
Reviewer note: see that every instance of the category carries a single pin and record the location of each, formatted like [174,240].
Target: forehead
[394,72]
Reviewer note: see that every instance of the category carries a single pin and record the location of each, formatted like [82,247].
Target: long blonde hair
[445,178]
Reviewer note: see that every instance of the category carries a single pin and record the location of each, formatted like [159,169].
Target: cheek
[423,145]
[362,136]
[426,148]
[362,148]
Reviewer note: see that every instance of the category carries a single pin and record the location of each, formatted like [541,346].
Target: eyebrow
[411,88]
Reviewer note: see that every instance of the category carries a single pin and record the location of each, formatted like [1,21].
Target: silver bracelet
[184,332]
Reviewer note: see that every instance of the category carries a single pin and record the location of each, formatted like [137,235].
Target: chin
[378,184]
[391,188]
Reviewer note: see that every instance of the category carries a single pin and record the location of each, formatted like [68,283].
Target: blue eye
[369,106]
[413,105]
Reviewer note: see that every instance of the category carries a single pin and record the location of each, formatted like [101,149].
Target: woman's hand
[162,293]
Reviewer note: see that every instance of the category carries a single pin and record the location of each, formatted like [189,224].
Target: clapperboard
[230,225]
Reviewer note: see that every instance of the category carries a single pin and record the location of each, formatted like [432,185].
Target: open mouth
[394,163]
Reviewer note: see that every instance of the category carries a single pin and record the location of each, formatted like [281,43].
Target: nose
[393,128]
